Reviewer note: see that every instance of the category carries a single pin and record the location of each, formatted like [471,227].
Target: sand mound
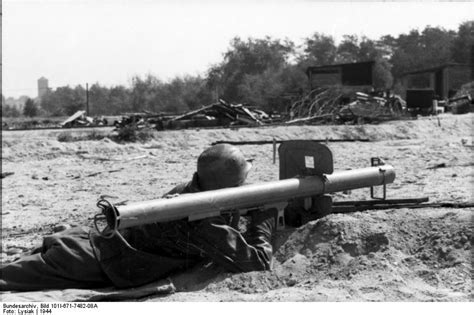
[383,255]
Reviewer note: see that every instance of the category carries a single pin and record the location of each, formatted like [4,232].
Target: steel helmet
[221,166]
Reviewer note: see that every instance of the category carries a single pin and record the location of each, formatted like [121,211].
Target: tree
[261,88]
[99,100]
[119,100]
[78,100]
[177,95]
[319,50]
[247,58]
[30,109]
[368,50]
[64,100]
[195,92]
[463,43]
[348,49]
[10,111]
[168,97]
[49,103]
[143,94]
[417,50]
[270,90]
[382,75]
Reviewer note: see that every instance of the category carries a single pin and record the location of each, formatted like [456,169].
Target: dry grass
[69,136]
[124,135]
[131,133]
[32,122]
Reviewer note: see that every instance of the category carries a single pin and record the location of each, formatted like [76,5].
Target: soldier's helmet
[222,166]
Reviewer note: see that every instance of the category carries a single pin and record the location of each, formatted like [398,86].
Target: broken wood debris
[228,113]
[135,158]
[337,105]
[465,142]
[98,158]
[106,159]
[79,119]
[221,114]
[460,104]
[440,165]
[101,172]
[443,165]
[5,174]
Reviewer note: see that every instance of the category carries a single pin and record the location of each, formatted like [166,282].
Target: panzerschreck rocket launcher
[306,177]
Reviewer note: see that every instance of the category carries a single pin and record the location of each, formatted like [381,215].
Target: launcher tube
[211,203]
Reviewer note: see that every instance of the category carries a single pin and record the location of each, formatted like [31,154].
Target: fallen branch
[103,159]
[98,173]
[135,158]
[436,166]
[5,174]
[306,119]
[443,165]
[98,158]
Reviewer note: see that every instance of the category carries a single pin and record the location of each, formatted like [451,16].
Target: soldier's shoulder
[182,188]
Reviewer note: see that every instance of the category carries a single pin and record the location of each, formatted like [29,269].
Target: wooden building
[350,74]
[445,80]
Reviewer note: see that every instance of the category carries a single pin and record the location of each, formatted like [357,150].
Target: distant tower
[42,87]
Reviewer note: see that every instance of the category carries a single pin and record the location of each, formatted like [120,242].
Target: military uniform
[81,258]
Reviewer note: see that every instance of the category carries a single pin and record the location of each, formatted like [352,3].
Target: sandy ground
[391,255]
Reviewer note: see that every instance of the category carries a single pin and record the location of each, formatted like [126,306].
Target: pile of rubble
[335,105]
[461,104]
[221,114]
[80,119]
[368,108]
[321,105]
[317,106]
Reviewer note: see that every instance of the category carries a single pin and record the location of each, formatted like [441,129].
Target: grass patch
[124,134]
[68,136]
[31,122]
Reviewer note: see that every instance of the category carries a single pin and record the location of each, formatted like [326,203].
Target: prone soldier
[82,258]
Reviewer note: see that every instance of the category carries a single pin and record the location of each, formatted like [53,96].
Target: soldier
[81,258]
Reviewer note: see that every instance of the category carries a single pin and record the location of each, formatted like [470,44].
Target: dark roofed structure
[353,74]
[444,79]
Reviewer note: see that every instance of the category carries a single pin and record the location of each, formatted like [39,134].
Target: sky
[73,42]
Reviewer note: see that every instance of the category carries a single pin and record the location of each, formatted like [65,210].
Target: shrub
[66,136]
[145,134]
[467,88]
[130,133]
[95,135]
